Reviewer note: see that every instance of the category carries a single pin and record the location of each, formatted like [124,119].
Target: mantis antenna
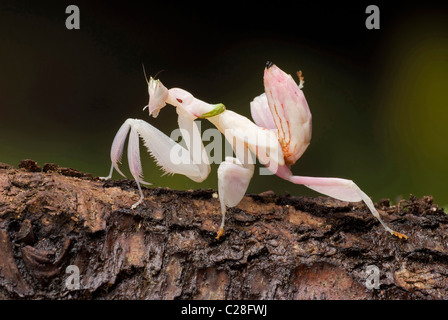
[144,72]
[158,73]
[146,77]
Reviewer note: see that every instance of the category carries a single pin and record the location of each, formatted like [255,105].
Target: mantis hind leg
[341,189]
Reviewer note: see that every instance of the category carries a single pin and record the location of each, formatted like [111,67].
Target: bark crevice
[274,246]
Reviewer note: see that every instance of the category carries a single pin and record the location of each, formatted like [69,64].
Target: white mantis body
[280,135]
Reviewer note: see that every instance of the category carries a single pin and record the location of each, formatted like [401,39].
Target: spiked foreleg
[160,146]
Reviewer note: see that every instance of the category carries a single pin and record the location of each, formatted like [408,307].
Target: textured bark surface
[274,247]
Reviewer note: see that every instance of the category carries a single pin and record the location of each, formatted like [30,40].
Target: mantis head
[158,94]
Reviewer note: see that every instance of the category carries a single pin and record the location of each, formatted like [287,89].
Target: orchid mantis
[280,135]
[283,107]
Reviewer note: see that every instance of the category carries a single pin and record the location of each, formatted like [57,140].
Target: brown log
[274,247]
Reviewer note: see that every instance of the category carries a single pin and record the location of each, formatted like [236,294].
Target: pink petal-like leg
[233,180]
[341,189]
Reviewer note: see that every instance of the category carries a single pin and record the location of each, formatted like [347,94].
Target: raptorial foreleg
[159,146]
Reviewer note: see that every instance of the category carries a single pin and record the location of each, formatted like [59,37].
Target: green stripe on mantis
[218,109]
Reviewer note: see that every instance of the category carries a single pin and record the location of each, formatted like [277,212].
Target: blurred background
[379,98]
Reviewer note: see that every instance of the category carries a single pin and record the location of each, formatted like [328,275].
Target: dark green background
[378,97]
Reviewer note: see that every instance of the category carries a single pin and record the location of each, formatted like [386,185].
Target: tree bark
[57,221]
